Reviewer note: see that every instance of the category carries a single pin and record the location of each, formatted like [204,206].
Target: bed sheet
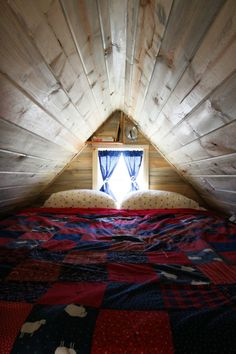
[116,281]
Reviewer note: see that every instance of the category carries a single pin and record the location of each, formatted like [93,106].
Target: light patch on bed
[199,282]
[65,350]
[194,258]
[76,311]
[187,269]
[169,276]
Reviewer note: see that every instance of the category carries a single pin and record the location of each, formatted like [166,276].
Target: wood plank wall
[43,121]
[190,116]
[66,65]
[78,175]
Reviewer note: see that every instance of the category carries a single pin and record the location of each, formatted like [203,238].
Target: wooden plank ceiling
[65,66]
[79,173]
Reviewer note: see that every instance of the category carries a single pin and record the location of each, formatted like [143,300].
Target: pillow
[153,199]
[80,198]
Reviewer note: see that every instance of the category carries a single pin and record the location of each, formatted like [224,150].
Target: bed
[102,280]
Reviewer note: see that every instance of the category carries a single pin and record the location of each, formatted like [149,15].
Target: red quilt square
[89,294]
[132,332]
[77,257]
[88,236]
[5,241]
[68,231]
[104,238]
[41,236]
[168,258]
[229,256]
[32,270]
[127,246]
[197,245]
[187,296]
[219,272]
[59,245]
[16,227]
[93,236]
[132,273]
[12,317]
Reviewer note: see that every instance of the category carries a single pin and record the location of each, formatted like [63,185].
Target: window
[121,166]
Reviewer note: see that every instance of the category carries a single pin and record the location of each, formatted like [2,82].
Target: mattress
[117,281]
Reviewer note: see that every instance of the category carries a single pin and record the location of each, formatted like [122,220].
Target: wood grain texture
[215,112]
[112,15]
[19,109]
[83,19]
[181,40]
[151,24]
[219,165]
[18,162]
[48,46]
[78,174]
[65,66]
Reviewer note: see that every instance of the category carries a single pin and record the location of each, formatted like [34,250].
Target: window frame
[120,147]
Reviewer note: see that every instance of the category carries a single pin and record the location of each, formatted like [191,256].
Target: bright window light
[119,182]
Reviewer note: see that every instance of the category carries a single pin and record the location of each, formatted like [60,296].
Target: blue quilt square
[28,292]
[230,291]
[50,328]
[92,246]
[206,255]
[71,237]
[184,274]
[127,257]
[30,244]
[204,331]
[45,255]
[38,227]
[5,269]
[224,246]
[79,272]
[11,233]
[123,296]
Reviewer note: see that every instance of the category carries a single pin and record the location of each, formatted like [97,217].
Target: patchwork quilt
[115,281]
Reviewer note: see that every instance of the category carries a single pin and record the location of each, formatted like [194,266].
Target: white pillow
[80,198]
[153,199]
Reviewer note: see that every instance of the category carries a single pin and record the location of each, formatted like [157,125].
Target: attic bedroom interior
[118,176]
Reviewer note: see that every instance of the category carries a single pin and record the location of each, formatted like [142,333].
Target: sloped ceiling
[67,65]
[79,173]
